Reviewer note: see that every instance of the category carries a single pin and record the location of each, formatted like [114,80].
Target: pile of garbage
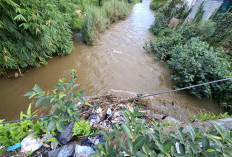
[100,118]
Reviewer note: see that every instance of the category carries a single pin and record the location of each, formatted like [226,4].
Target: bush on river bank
[189,56]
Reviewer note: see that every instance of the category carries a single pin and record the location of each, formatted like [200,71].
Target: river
[118,61]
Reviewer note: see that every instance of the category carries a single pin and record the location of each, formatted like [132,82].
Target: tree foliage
[34,30]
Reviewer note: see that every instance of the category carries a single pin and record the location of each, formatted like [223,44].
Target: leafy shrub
[206,28]
[160,24]
[187,30]
[64,97]
[134,138]
[163,45]
[196,62]
[33,31]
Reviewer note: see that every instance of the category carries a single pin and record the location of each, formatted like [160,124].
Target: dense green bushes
[191,59]
[32,31]
[196,62]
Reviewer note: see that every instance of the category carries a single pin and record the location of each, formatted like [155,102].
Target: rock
[66,135]
[92,140]
[65,151]
[174,22]
[83,151]
[30,144]
[171,119]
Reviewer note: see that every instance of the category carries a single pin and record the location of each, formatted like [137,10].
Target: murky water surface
[117,61]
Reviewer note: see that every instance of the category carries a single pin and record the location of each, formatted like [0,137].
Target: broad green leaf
[140,143]
[127,131]
[37,88]
[61,95]
[205,143]
[29,93]
[130,145]
[140,154]
[40,101]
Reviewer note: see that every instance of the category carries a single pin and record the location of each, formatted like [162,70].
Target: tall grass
[98,19]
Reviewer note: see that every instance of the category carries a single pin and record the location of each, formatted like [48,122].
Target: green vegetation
[156,4]
[189,55]
[98,18]
[82,128]
[33,31]
[11,134]
[222,35]
[160,24]
[136,139]
[202,116]
[200,13]
[64,97]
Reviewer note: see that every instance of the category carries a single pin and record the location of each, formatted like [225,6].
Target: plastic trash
[17,145]
[92,140]
[83,151]
[30,144]
[64,137]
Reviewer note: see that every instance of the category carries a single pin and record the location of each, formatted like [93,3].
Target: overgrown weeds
[98,19]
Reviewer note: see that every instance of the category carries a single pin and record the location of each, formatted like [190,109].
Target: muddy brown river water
[118,61]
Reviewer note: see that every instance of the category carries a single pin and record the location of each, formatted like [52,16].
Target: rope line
[122,101]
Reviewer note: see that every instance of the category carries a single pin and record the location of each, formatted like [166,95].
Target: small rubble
[103,118]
